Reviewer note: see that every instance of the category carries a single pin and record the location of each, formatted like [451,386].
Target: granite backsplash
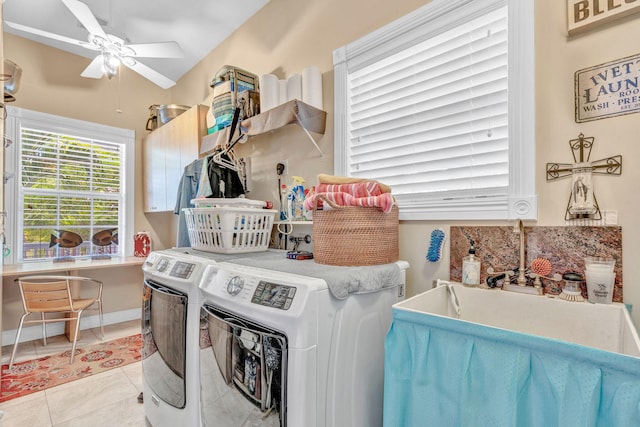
[564,247]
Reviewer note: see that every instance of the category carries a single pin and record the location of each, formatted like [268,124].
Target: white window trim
[438,15]
[65,125]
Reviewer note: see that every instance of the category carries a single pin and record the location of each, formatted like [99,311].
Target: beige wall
[288,35]
[51,83]
[557,60]
[122,290]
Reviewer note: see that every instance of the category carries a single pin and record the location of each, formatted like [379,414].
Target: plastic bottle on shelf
[284,211]
[308,213]
[471,268]
[298,198]
[291,206]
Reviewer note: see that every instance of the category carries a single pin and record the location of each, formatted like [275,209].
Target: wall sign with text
[608,90]
[585,14]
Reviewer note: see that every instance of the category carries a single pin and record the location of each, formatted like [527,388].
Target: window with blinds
[72,187]
[426,106]
[70,195]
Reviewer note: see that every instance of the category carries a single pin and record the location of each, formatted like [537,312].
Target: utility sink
[465,356]
[603,326]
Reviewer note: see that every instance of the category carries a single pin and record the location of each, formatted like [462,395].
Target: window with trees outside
[69,188]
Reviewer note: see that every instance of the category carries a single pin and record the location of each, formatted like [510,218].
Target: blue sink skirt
[444,372]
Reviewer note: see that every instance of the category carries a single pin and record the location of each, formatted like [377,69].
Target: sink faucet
[521,280]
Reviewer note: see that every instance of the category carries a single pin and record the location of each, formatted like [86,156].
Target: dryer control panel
[168,267]
[273,295]
[175,268]
[262,292]
[246,289]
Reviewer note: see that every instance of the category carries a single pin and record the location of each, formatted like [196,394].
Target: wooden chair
[53,294]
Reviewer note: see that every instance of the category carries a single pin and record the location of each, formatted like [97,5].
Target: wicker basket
[354,236]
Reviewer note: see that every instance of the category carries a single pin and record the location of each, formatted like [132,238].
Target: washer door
[243,369]
[164,342]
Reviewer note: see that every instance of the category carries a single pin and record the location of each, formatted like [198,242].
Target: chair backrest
[45,295]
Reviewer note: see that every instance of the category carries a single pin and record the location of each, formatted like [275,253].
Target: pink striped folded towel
[383,201]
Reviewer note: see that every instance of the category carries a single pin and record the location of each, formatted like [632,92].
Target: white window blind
[68,185]
[71,192]
[426,103]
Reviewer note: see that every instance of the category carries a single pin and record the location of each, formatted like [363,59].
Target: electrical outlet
[610,217]
[282,168]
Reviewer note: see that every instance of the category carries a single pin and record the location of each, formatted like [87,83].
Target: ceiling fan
[113,50]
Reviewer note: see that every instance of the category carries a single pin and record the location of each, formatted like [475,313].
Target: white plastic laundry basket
[238,202]
[229,230]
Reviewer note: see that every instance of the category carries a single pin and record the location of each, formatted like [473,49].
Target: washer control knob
[235,285]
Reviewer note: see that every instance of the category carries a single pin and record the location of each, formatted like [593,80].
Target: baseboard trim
[88,322]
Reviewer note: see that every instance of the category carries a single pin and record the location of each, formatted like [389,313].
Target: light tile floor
[106,399]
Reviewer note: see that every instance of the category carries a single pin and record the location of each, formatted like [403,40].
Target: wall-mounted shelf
[293,222]
[309,118]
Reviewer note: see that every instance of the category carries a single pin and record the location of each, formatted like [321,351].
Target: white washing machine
[286,352]
[171,334]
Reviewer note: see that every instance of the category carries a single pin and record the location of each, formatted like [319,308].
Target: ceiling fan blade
[86,17]
[157,50]
[154,76]
[95,70]
[47,34]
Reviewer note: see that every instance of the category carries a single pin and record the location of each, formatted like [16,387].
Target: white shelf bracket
[309,135]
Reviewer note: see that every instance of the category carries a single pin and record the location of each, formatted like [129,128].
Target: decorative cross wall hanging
[582,200]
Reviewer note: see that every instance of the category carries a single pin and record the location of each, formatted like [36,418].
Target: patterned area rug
[39,374]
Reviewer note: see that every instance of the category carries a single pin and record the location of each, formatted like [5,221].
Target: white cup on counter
[600,278]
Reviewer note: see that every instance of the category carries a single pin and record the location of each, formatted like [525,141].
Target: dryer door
[164,342]
[243,369]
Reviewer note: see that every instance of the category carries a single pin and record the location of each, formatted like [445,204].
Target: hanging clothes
[187,190]
[203,178]
[225,182]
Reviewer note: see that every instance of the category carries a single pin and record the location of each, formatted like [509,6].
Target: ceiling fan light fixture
[111,63]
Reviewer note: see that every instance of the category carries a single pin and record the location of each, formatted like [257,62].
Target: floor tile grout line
[46,396]
[127,375]
[88,414]
[6,356]
[113,372]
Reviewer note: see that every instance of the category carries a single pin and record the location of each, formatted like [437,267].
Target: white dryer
[171,334]
[286,352]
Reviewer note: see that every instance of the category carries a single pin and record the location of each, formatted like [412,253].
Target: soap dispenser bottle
[471,268]
[298,198]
